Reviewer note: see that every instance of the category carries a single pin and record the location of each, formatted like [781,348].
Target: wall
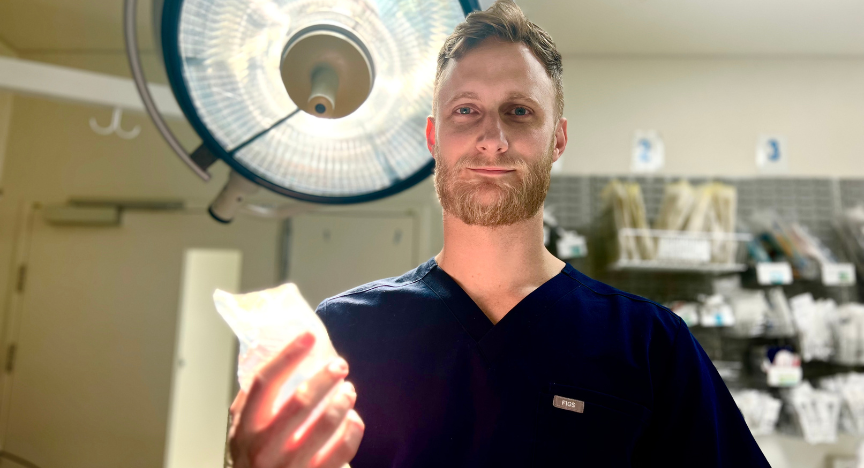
[53,155]
[711,110]
[5,114]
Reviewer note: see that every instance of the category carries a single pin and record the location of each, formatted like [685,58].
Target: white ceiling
[702,27]
[595,27]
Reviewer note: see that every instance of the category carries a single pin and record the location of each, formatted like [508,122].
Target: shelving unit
[811,202]
[678,267]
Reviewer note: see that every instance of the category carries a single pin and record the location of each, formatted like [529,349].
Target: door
[96,329]
[331,253]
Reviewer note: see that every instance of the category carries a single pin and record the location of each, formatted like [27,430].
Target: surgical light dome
[320,100]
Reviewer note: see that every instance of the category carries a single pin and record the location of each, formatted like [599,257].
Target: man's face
[495,136]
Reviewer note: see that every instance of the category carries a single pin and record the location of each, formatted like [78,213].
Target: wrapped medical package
[266,321]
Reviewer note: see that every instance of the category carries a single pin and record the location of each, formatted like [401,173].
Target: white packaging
[751,309]
[814,320]
[266,321]
[850,387]
[716,312]
[760,410]
[817,413]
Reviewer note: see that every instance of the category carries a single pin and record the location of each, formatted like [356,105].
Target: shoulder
[624,309]
[636,330]
[407,285]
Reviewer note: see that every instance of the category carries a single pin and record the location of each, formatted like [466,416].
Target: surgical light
[321,100]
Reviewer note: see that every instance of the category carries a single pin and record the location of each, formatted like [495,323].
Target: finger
[292,419]
[265,387]
[323,428]
[234,414]
[343,446]
[238,403]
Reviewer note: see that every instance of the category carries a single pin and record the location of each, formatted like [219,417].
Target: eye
[463,110]
[520,111]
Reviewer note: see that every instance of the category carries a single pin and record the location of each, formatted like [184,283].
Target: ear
[560,139]
[430,134]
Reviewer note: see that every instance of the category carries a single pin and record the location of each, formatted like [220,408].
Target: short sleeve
[695,421]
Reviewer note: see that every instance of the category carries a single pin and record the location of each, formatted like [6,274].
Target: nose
[492,139]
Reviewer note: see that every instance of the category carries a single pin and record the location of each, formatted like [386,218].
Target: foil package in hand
[266,321]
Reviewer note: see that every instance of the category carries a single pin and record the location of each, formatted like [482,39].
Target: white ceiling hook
[115,127]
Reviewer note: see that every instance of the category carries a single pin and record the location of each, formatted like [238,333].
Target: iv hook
[115,127]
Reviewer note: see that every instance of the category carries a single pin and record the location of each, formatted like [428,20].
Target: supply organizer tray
[681,251]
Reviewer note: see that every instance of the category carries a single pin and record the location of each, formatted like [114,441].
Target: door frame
[12,312]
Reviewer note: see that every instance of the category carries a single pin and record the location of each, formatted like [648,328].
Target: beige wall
[5,114]
[53,155]
[711,110]
[6,224]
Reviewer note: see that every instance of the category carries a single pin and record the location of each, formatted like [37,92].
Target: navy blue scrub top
[438,385]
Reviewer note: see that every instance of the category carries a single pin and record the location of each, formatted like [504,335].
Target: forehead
[496,69]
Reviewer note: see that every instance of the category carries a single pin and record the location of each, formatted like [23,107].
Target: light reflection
[231,55]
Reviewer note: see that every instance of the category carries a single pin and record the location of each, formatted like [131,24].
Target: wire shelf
[680,251]
[680,267]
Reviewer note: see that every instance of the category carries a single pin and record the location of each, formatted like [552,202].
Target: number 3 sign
[771,154]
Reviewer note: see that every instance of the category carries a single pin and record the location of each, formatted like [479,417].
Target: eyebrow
[464,94]
[524,97]
[513,95]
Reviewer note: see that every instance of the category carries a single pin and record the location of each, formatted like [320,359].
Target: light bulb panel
[223,61]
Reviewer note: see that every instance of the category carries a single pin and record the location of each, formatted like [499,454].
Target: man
[494,352]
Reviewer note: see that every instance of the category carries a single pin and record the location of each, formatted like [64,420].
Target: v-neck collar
[491,338]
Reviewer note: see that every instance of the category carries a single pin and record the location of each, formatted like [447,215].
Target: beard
[511,201]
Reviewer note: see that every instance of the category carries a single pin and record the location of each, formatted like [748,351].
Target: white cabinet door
[331,253]
[96,334]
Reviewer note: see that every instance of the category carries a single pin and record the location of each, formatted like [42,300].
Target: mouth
[491,171]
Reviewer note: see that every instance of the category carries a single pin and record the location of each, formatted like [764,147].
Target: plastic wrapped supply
[816,413]
[266,321]
[694,225]
[814,321]
[850,225]
[760,410]
[714,212]
[780,241]
[850,387]
[715,312]
[779,322]
[751,310]
[563,243]
[678,200]
[628,209]
[757,312]
[688,311]
[849,334]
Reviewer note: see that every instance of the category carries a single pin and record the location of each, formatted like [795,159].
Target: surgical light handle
[130,33]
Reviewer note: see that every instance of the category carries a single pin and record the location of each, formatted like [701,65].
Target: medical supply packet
[266,321]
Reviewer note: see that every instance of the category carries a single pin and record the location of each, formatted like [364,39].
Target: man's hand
[289,437]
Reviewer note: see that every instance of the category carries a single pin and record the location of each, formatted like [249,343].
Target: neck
[497,266]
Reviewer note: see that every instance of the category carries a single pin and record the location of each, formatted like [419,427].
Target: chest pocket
[604,433]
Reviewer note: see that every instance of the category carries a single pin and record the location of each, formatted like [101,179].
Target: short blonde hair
[503,20]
